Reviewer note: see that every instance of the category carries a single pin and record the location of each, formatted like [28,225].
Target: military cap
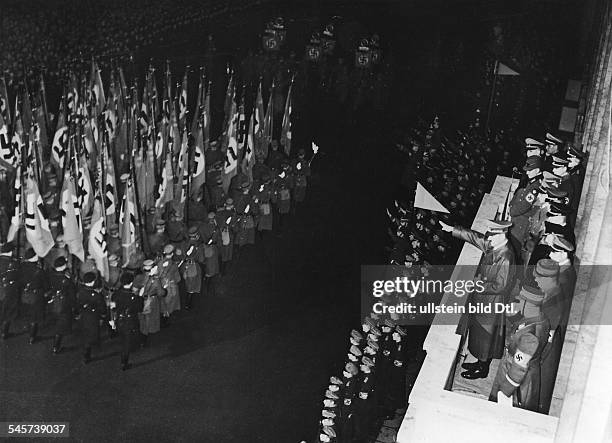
[211,215]
[369,322]
[389,323]
[498,226]
[350,366]
[168,249]
[327,422]
[160,222]
[373,345]
[573,152]
[401,331]
[375,332]
[556,192]
[89,278]
[147,265]
[59,262]
[561,244]
[530,142]
[367,361]
[559,159]
[549,176]
[328,414]
[47,196]
[335,380]
[552,140]
[355,351]
[329,394]
[328,403]
[531,294]
[546,267]
[332,387]
[124,177]
[356,335]
[194,232]
[245,184]
[31,256]
[558,209]
[532,163]
[329,431]
[127,278]
[229,202]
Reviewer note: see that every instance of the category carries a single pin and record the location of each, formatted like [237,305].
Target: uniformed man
[32,284]
[262,195]
[127,306]
[497,271]
[555,308]
[346,413]
[283,185]
[517,382]
[365,401]
[9,297]
[226,220]
[246,207]
[192,274]
[301,169]
[169,276]
[159,238]
[92,313]
[62,295]
[176,229]
[152,293]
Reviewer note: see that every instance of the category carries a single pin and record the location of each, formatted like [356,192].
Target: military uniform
[33,301]
[301,170]
[169,276]
[9,299]
[226,220]
[486,331]
[263,194]
[152,294]
[127,306]
[519,372]
[62,293]
[92,311]
[245,223]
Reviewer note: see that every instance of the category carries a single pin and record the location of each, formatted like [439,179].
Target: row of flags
[120,153]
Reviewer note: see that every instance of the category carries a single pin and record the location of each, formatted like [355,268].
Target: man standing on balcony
[518,378]
[497,272]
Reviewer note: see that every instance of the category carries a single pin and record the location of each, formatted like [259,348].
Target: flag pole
[491,98]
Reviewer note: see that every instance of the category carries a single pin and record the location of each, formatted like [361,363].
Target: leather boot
[482,371]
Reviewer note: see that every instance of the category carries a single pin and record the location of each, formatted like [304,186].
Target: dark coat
[92,309]
[497,270]
[62,293]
